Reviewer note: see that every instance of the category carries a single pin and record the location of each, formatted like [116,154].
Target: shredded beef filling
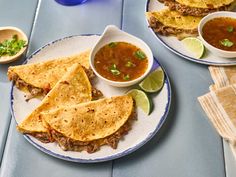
[43,137]
[96,94]
[68,144]
[159,28]
[194,11]
[34,91]
[89,72]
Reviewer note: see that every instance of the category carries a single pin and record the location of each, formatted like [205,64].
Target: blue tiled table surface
[19,14]
[186,145]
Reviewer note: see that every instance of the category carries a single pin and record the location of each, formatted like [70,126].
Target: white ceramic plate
[142,130]
[176,46]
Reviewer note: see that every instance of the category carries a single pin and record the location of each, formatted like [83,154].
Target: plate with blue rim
[176,46]
[143,129]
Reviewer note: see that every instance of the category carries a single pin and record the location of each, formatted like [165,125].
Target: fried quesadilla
[39,78]
[89,125]
[73,88]
[199,7]
[167,22]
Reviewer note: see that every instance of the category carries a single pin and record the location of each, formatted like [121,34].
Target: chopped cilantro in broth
[221,33]
[120,61]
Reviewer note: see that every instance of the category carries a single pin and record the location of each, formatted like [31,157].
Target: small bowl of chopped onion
[13,43]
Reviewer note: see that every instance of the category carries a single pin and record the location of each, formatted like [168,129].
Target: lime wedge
[141,100]
[194,45]
[153,82]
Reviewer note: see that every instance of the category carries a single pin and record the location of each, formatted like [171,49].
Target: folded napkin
[222,76]
[220,107]
[220,103]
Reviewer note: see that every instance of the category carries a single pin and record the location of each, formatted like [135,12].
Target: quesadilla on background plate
[167,22]
[199,7]
[73,88]
[87,126]
[39,78]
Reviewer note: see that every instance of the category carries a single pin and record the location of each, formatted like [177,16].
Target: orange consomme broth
[216,30]
[122,56]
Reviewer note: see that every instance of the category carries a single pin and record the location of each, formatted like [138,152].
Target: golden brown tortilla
[46,74]
[73,88]
[174,19]
[199,8]
[91,120]
[205,3]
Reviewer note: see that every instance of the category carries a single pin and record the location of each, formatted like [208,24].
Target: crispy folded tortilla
[199,7]
[73,88]
[167,22]
[40,78]
[89,125]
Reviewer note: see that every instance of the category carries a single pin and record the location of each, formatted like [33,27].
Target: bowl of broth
[120,59]
[217,32]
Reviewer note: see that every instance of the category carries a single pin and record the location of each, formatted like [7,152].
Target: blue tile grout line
[30,37]
[122,14]
[223,152]
[33,24]
[5,139]
[121,27]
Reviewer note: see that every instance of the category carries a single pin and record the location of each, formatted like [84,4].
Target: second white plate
[176,46]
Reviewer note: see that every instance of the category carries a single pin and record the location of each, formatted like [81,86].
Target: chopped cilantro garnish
[113,66]
[114,70]
[226,43]
[140,55]
[126,77]
[130,64]
[12,46]
[230,29]
[112,44]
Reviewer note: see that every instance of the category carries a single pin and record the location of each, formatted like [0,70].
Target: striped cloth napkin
[220,103]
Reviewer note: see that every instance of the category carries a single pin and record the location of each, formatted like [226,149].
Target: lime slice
[153,82]
[194,45]
[141,100]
